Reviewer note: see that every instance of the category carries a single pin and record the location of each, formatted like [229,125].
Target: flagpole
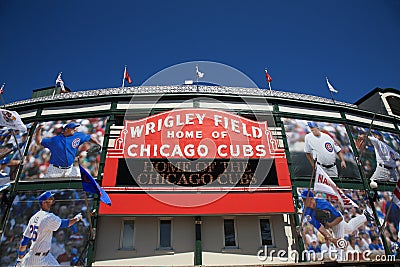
[55,89]
[89,215]
[269,79]
[371,201]
[386,217]
[197,78]
[11,130]
[332,97]
[365,141]
[308,194]
[123,78]
[2,98]
[21,163]
[91,237]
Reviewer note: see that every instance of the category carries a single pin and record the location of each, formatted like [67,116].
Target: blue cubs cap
[305,193]
[376,132]
[71,125]
[312,124]
[44,196]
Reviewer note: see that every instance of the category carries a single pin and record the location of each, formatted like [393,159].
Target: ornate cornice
[180,89]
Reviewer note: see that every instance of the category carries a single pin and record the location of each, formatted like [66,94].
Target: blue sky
[354,42]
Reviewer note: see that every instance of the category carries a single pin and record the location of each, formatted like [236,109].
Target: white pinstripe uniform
[40,229]
[386,161]
[54,172]
[346,228]
[324,149]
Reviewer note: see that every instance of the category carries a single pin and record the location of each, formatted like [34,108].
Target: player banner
[54,144]
[379,153]
[327,143]
[66,245]
[333,233]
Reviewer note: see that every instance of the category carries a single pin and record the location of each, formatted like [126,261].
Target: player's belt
[386,166]
[42,253]
[326,166]
[62,167]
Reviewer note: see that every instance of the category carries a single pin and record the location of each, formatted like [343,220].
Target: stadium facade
[197,175]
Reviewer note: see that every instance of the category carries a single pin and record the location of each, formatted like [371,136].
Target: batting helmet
[312,124]
[44,196]
[306,194]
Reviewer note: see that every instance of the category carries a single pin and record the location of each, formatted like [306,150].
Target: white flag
[4,186]
[11,120]
[60,81]
[4,180]
[323,183]
[330,86]
[199,74]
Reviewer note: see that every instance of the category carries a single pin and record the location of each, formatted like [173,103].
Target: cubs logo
[8,116]
[308,218]
[76,142]
[329,147]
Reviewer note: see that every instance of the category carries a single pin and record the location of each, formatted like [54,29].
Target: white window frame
[133,219]
[159,233]
[235,231]
[271,228]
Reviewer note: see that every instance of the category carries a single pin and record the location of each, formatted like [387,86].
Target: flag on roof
[2,88]
[126,76]
[331,88]
[267,76]
[61,82]
[199,74]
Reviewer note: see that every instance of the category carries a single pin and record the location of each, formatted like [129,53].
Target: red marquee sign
[195,133]
[229,172]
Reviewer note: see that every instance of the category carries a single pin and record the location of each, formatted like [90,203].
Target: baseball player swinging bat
[386,157]
[40,232]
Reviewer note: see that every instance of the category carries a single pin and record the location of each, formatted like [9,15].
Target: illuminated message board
[195,147]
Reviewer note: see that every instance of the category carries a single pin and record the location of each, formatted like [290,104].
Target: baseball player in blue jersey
[322,215]
[63,148]
[386,158]
[321,146]
[40,232]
